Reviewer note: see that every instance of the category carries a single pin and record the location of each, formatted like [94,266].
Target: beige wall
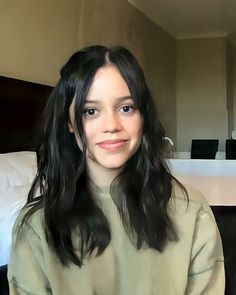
[201,91]
[38,36]
[231,86]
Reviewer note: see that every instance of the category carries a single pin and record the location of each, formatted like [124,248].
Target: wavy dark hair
[144,187]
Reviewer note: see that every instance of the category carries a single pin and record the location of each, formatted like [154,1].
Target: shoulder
[190,210]
[200,238]
[29,222]
[195,221]
[191,198]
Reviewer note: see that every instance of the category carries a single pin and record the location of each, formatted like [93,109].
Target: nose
[112,123]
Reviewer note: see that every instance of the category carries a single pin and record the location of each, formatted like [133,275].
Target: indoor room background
[192,80]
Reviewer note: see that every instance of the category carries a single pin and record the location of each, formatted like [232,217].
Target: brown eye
[127,109]
[90,112]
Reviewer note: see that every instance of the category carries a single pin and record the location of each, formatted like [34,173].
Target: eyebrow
[118,99]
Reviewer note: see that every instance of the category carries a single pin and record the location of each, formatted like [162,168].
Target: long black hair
[144,186]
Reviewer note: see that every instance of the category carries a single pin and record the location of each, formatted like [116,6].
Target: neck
[101,176]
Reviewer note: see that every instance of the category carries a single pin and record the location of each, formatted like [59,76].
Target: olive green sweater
[193,265]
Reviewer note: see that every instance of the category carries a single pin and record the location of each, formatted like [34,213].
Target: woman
[111,219]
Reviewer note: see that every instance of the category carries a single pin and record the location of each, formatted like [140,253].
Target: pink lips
[112,145]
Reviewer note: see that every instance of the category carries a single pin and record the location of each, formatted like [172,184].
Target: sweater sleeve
[206,270]
[27,265]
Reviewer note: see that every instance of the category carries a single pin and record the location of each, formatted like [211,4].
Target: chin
[112,166]
[113,163]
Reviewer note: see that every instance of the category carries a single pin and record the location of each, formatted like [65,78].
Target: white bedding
[17,171]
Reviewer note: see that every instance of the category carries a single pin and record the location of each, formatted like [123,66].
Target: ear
[70,126]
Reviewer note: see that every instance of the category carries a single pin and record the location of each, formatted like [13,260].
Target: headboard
[21,107]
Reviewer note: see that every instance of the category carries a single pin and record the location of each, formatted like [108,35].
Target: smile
[112,145]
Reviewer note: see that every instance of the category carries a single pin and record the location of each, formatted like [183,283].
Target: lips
[112,145]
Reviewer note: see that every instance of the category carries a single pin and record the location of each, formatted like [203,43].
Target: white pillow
[8,215]
[17,169]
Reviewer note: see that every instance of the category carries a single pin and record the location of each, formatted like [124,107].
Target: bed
[21,107]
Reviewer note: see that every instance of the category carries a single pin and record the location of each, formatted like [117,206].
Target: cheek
[90,131]
[136,127]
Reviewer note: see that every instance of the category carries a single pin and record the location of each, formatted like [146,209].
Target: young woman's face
[112,125]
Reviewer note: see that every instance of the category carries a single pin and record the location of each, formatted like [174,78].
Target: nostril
[112,124]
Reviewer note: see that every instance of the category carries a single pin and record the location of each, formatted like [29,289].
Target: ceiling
[186,19]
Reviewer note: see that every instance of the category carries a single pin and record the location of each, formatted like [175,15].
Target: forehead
[108,82]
